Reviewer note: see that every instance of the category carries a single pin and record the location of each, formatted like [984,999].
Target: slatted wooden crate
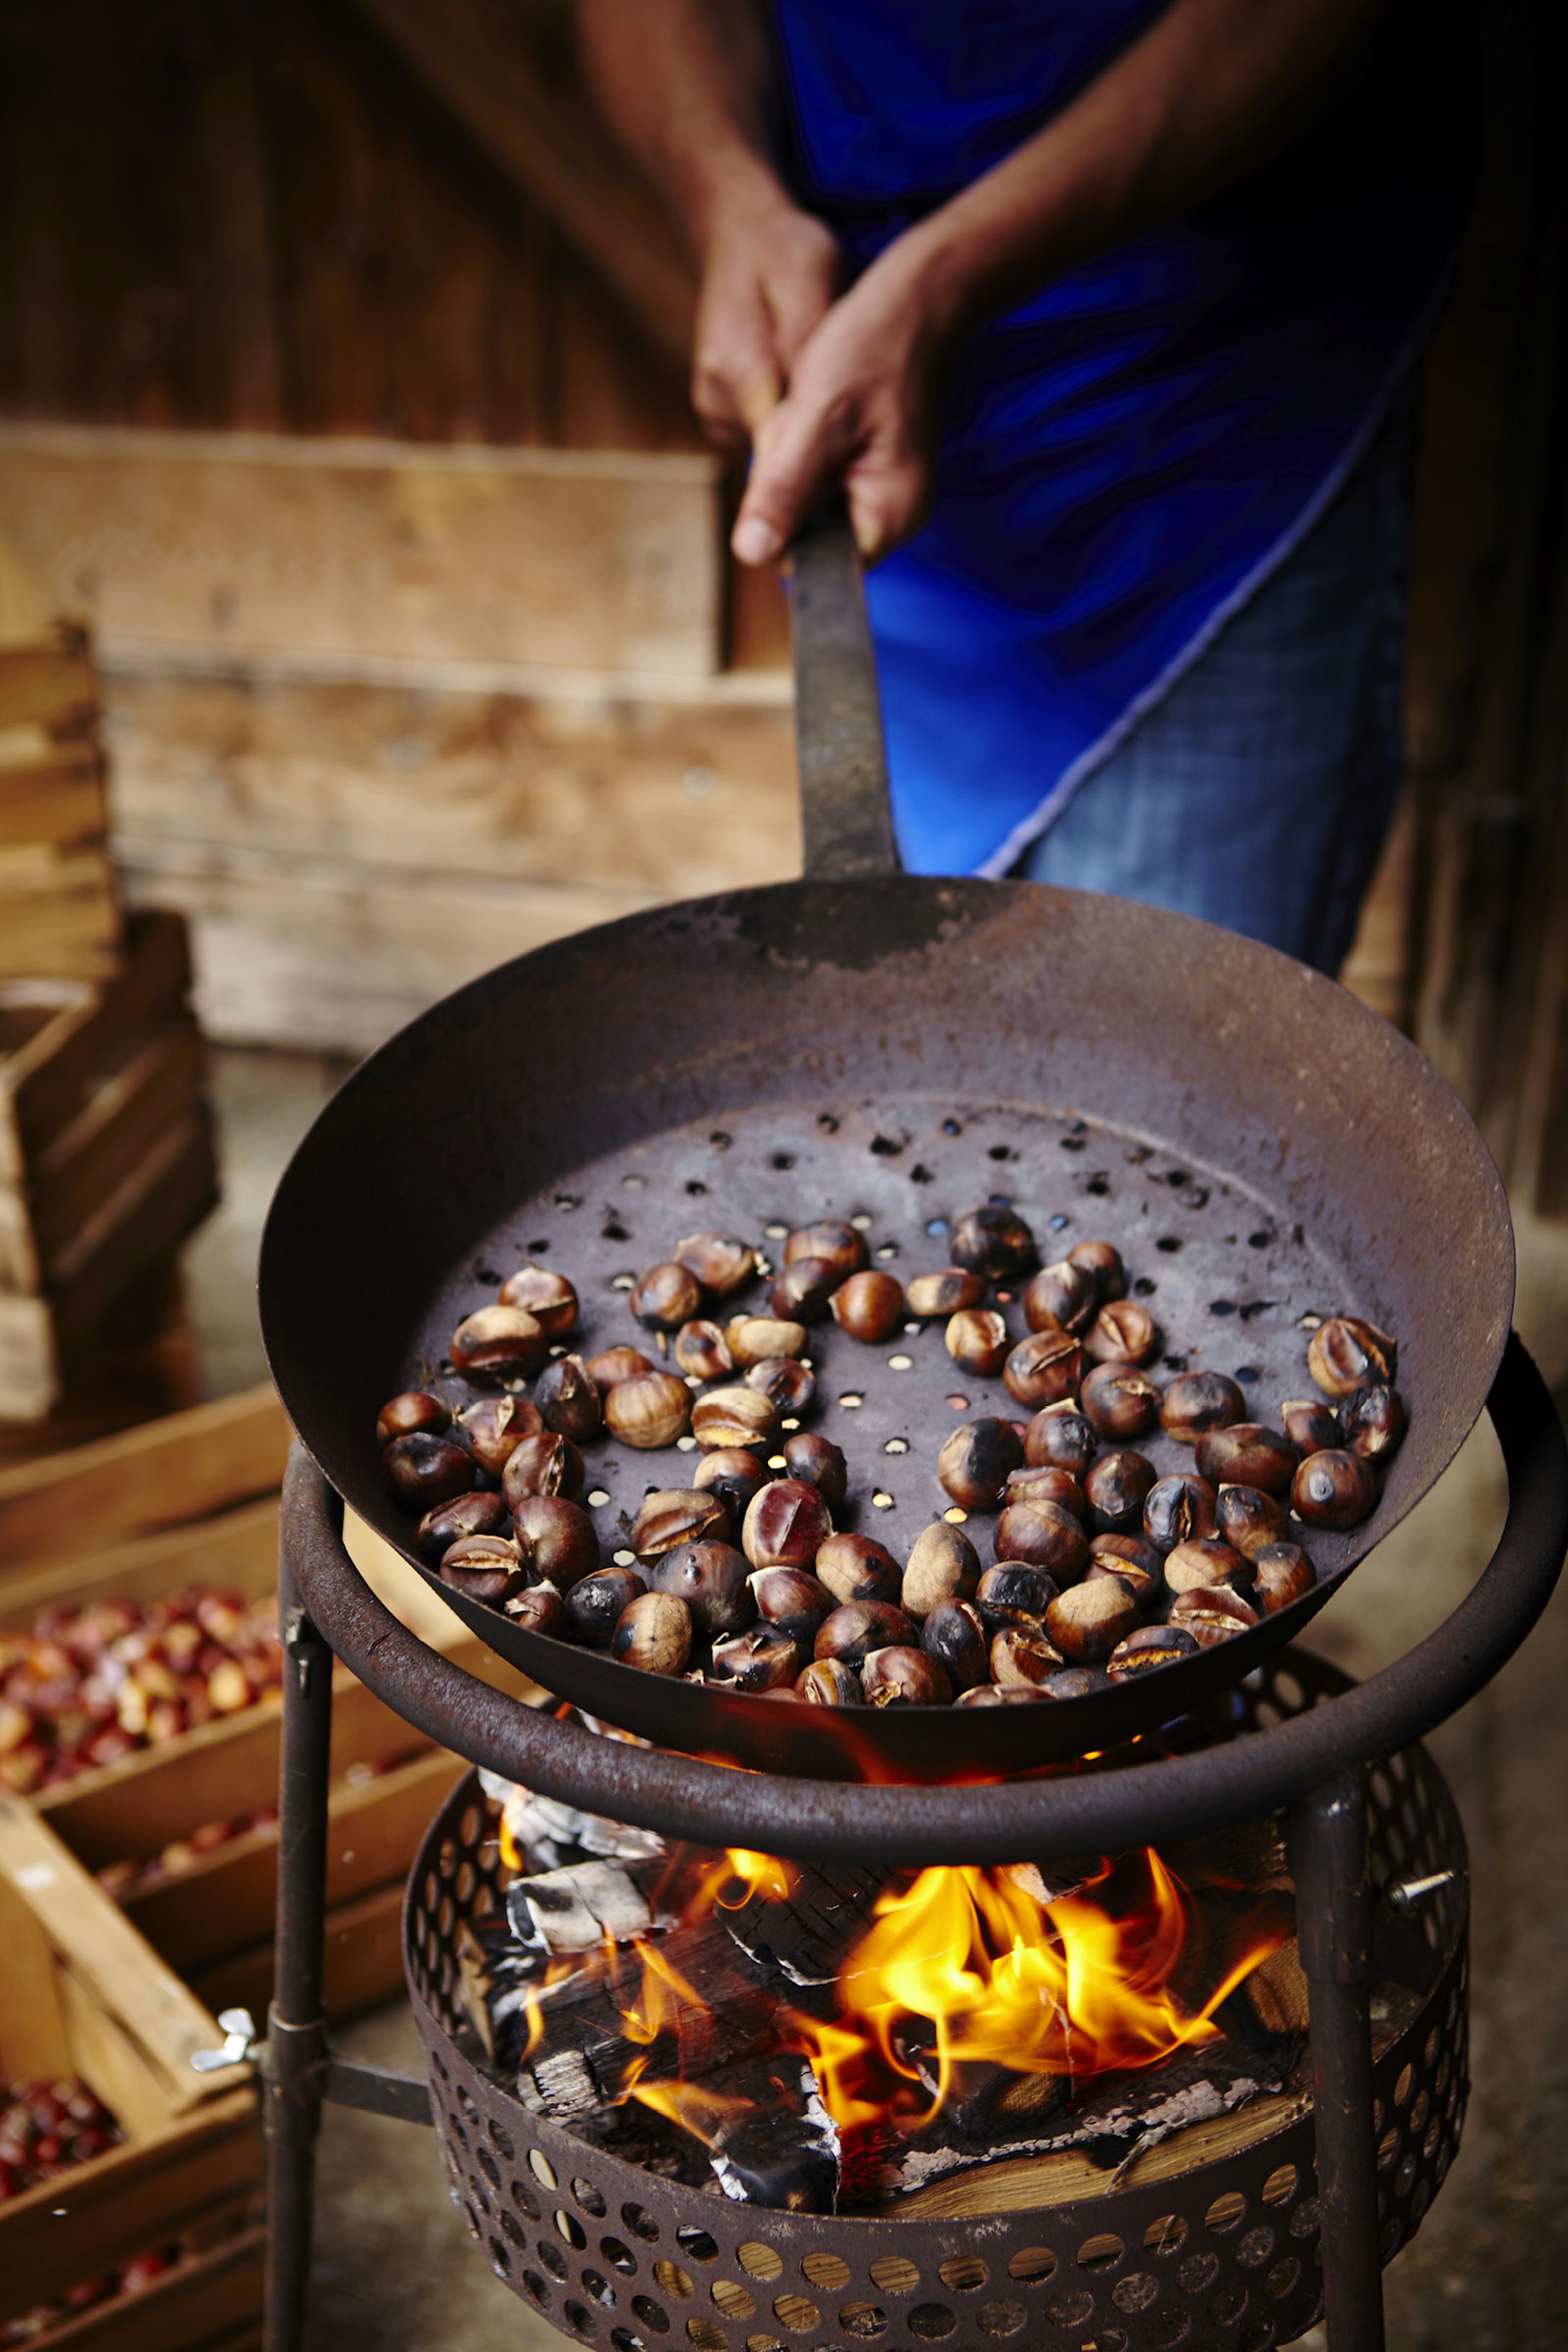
[58,917]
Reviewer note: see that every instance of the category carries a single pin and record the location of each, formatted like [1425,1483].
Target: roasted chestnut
[498,1343]
[670,1516]
[1043,1534]
[556,1538]
[596,1604]
[817,1461]
[856,1568]
[955,1635]
[666,1297]
[1175,1509]
[868,1306]
[1045,1368]
[616,1364]
[648,1410]
[1115,1488]
[1023,1654]
[1061,1438]
[1212,1613]
[1013,1590]
[425,1468]
[734,1475]
[857,1627]
[1146,1648]
[1373,1421]
[751,1338]
[727,1420]
[1061,1298]
[1087,1622]
[844,1247]
[1310,1424]
[487,1568]
[711,1577]
[943,1565]
[827,1681]
[1075,1682]
[538,1609]
[548,1297]
[792,1601]
[1248,1519]
[1205,1560]
[930,1295]
[899,1676]
[1103,1260]
[1123,1333]
[977,1460]
[702,1352]
[762,1660]
[1284,1574]
[720,1263]
[1120,1401]
[1046,1484]
[406,1415]
[993,1242]
[994,1695]
[546,1463]
[977,1339]
[655,1633]
[568,1399]
[1127,1552]
[1345,1354]
[785,1525]
[1334,1489]
[1196,1402]
[787,1384]
[802,1288]
[1146,1584]
[1247,1455]
[464,1515]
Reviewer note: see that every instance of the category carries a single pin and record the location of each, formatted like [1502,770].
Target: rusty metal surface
[845,819]
[567,1105]
[618,2257]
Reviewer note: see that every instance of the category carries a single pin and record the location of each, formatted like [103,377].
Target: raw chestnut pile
[1102,1568]
[45,2128]
[129,2278]
[89,1685]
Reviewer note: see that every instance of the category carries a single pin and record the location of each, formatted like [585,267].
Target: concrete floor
[397,2271]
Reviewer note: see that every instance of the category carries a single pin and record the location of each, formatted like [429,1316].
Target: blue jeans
[1257,794]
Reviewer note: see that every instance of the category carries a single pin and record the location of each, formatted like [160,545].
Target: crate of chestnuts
[116,2155]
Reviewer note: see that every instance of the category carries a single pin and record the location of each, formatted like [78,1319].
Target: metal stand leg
[1333,1911]
[296,2029]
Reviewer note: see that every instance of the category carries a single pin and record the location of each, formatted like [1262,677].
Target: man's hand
[770,273]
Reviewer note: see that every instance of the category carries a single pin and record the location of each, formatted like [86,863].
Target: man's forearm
[684,82]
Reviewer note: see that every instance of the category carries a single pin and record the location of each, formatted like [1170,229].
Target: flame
[738,1877]
[695,2109]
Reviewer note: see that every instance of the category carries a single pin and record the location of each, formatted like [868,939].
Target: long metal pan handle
[845,812]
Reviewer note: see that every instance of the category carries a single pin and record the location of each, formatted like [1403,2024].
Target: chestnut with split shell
[932,1295]
[498,1343]
[901,1676]
[538,1609]
[546,1463]
[1334,1489]
[1249,1519]
[1115,1487]
[788,1384]
[842,1246]
[568,1399]
[1345,1354]
[1147,1648]
[1177,1509]
[548,1297]
[671,1517]
[1022,1654]
[977,1460]
[1061,1298]
[785,1525]
[555,1540]
[485,1568]
[857,1568]
[722,1263]
[827,1681]
[414,1411]
[1196,1402]
[1144,1584]
[1212,1613]
[977,1339]
[993,1242]
[1247,1455]
[711,1577]
[648,1411]
[1123,1333]
[1044,1369]
[762,1660]
[1120,1401]
[655,1633]
[1204,1561]
[943,1565]
[733,1419]
[702,1351]
[1372,1422]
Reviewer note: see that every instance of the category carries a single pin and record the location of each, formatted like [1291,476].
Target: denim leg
[1258,792]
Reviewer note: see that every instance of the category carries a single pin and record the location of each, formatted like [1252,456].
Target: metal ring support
[1009,1822]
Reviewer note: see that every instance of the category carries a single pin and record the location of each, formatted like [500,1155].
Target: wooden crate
[58,916]
[82,1994]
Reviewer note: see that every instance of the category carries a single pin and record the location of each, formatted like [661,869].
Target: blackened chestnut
[943,1565]
[485,1568]
[548,1297]
[1087,1622]
[1061,1438]
[955,1635]
[556,1538]
[750,1339]
[857,1627]
[498,1343]
[424,1469]
[1284,1574]
[711,1577]
[993,1242]
[1043,1535]
[900,1676]
[568,1399]
[595,1602]
[817,1461]
[464,1515]
[1013,1590]
[868,1306]
[761,1659]
[1310,1424]
[1178,1507]
[1373,1421]
[666,1297]
[1247,1455]
[977,1460]
[844,1247]
[792,1601]
[1123,1333]
[1120,1401]
[930,1296]
[1147,1648]
[1046,1484]
[538,1609]
[1023,1654]
[785,1525]
[1212,1613]
[1334,1489]
[734,1475]
[720,1263]
[1345,1354]
[647,1411]
[1103,1260]
[618,1364]
[733,1419]
[802,1288]
[787,1384]
[1205,1560]
[670,1516]
[1196,1402]
[1115,1488]
[415,1410]
[702,1351]
[1044,1369]
[857,1568]
[655,1633]
[977,1339]
[1061,1298]
[1248,1519]
[546,1463]
[827,1681]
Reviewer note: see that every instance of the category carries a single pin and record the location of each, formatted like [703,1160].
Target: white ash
[549,1831]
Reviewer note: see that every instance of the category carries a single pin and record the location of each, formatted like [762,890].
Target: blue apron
[1127,456]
